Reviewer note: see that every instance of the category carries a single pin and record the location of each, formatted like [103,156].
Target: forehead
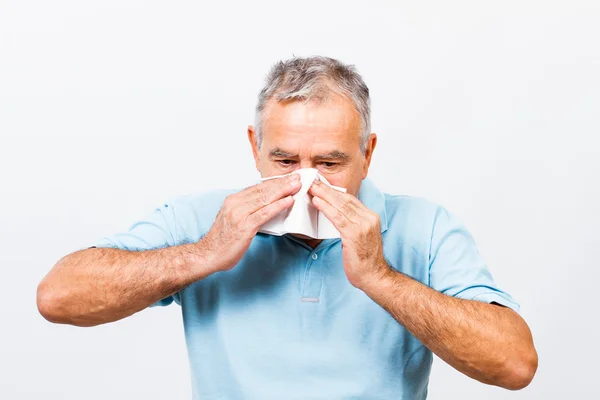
[334,121]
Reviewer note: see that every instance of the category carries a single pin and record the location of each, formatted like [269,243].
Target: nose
[306,164]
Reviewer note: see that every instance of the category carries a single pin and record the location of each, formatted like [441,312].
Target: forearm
[99,285]
[486,342]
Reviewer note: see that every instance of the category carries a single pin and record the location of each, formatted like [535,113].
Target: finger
[329,194]
[267,192]
[337,218]
[264,214]
[347,204]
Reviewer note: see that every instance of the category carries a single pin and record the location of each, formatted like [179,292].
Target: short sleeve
[157,230]
[456,267]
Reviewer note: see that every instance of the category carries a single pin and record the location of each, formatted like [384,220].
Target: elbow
[53,303]
[521,372]
[60,301]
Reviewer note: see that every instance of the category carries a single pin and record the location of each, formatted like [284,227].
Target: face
[317,134]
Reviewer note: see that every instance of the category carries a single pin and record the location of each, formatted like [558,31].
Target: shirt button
[315,256]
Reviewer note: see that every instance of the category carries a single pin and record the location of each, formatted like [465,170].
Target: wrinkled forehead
[331,120]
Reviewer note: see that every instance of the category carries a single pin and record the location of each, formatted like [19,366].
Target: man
[279,317]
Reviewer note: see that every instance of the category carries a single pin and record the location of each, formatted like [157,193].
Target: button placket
[313,280]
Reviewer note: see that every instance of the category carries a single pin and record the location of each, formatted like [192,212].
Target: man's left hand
[359,227]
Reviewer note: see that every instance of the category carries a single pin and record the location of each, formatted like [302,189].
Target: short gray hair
[315,78]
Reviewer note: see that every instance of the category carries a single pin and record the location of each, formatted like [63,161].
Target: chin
[300,236]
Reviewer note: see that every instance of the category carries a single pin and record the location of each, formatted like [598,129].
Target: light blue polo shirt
[285,323]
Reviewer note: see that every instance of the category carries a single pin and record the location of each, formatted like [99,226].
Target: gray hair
[315,78]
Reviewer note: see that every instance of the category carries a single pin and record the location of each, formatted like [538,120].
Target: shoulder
[403,209]
[202,204]
[414,218]
[418,206]
[193,214]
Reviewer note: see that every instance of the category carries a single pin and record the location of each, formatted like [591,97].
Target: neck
[312,242]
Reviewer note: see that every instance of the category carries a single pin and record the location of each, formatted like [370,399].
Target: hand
[362,246]
[242,215]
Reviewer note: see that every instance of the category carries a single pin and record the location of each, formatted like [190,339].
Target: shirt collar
[374,200]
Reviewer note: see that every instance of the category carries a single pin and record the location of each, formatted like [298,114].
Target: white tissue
[303,218]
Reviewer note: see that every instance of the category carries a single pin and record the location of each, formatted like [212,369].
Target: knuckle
[340,219]
[374,218]
[260,215]
[228,202]
[236,225]
[223,216]
[262,196]
[346,207]
[253,221]
[229,213]
[377,224]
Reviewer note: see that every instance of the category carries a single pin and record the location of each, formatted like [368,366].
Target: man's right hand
[99,285]
[242,215]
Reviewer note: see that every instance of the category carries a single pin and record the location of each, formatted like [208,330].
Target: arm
[100,285]
[487,342]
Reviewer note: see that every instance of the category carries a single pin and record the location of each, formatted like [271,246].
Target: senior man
[290,317]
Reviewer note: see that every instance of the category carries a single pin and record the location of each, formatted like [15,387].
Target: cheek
[344,178]
[272,168]
[354,180]
[267,168]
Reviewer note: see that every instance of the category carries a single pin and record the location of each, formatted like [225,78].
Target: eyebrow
[333,155]
[277,152]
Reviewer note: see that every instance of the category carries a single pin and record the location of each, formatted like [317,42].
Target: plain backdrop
[108,108]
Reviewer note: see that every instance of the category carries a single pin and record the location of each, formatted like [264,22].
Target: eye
[329,164]
[286,163]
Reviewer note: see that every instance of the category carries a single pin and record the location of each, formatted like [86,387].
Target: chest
[285,294]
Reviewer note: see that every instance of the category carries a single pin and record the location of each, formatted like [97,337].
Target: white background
[108,108]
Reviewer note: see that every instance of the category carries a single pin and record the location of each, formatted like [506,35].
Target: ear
[370,148]
[254,145]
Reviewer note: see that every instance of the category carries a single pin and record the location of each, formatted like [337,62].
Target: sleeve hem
[489,297]
[104,242]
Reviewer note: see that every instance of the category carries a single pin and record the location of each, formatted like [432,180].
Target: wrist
[198,261]
[379,278]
